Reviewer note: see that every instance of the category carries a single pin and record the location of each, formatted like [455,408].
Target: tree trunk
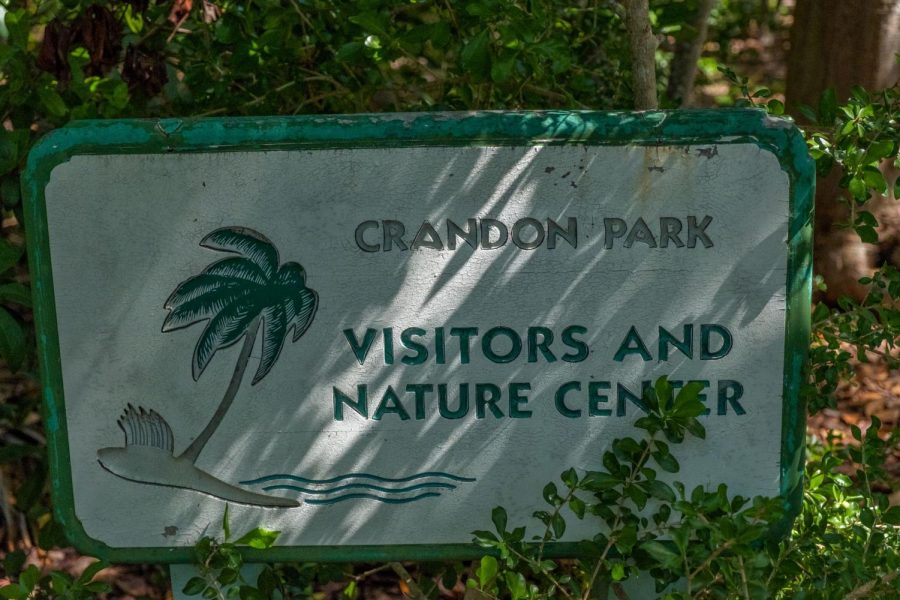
[839,44]
[687,53]
[643,54]
[237,376]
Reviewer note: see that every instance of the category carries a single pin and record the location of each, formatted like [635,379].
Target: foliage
[702,536]
[704,544]
[220,564]
[32,585]
[856,138]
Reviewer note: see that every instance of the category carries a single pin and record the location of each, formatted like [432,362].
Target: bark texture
[687,53]
[643,54]
[839,44]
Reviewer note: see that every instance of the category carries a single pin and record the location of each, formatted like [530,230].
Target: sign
[366,332]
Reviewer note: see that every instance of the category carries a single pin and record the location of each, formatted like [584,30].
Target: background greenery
[75,59]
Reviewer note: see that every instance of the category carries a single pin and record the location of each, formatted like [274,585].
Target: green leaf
[248,593]
[475,57]
[10,191]
[226,527]
[875,180]
[16,293]
[879,150]
[857,187]
[194,586]
[598,480]
[53,102]
[12,341]
[485,538]
[809,113]
[663,392]
[577,506]
[518,588]
[134,19]
[9,255]
[14,560]
[827,107]
[666,462]
[502,68]
[258,538]
[680,536]
[559,525]
[371,22]
[487,571]
[16,452]
[88,574]
[867,234]
[660,490]
[13,591]
[351,591]
[626,538]
[690,391]
[498,516]
[695,428]
[637,495]
[891,516]
[228,576]
[30,577]
[550,494]
[618,571]
[775,107]
[662,553]
[97,587]
[570,478]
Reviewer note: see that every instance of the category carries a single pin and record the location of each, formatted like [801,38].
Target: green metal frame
[731,126]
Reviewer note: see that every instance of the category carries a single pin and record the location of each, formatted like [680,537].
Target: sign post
[367,331]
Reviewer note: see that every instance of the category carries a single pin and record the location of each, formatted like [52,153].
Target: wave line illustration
[372,497]
[367,486]
[277,476]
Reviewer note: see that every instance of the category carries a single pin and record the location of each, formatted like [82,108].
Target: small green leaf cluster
[31,584]
[857,138]
[760,97]
[702,538]
[14,343]
[846,540]
[220,563]
[704,543]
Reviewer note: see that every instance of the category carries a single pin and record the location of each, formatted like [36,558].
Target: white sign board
[369,346]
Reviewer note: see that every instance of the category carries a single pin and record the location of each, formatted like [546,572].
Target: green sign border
[185,136]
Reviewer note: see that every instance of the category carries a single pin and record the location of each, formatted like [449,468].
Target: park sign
[368,331]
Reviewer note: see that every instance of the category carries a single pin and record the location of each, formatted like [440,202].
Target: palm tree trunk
[199,442]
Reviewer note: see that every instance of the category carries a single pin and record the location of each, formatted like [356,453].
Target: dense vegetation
[75,59]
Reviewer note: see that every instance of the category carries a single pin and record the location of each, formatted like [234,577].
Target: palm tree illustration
[238,297]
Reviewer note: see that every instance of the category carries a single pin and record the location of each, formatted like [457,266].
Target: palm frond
[301,302]
[304,305]
[203,307]
[245,241]
[232,292]
[274,331]
[291,275]
[201,285]
[238,268]
[223,330]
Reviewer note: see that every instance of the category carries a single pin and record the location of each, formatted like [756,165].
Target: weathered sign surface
[366,332]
